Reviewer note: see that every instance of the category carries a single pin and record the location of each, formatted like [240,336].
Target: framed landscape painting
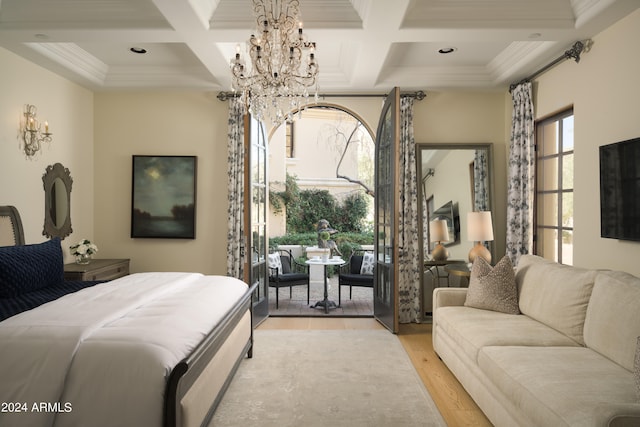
[163,197]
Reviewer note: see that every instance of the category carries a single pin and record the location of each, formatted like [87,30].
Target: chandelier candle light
[31,135]
[282,66]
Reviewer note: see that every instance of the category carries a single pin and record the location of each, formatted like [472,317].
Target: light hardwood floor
[453,402]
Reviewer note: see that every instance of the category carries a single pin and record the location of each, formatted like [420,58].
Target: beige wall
[162,123]
[604,91]
[69,110]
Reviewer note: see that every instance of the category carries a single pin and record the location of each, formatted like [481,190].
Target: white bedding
[103,353]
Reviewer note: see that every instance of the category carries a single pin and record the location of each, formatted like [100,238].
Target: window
[553,238]
[289,140]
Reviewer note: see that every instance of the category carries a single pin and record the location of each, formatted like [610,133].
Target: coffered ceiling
[362,45]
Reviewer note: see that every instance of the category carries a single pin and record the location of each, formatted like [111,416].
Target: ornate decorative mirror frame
[57,201]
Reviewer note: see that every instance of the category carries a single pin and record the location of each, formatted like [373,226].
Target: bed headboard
[11,233]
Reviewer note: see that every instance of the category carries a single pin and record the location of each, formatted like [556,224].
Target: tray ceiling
[362,45]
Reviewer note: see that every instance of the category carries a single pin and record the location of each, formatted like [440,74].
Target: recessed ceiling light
[139,50]
[446,50]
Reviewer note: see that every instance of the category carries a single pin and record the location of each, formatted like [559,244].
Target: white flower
[83,247]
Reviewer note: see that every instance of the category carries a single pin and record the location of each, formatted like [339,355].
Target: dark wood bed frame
[186,373]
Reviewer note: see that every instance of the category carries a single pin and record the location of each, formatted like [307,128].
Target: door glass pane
[567,247]
[255,213]
[548,174]
[263,204]
[256,202]
[567,171]
[567,209]
[548,209]
[548,243]
[567,134]
[255,167]
[549,143]
[262,176]
[256,254]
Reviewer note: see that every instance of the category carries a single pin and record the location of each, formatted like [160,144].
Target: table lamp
[439,232]
[479,230]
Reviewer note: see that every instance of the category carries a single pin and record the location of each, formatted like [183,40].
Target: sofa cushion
[493,288]
[555,294]
[554,386]
[612,325]
[472,329]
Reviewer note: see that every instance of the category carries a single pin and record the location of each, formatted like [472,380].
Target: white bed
[148,349]
[104,355]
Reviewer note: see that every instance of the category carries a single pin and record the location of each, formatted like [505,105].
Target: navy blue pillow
[27,268]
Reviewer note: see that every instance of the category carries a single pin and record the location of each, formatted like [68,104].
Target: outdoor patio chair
[357,272]
[286,272]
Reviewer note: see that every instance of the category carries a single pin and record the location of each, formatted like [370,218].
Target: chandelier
[281,65]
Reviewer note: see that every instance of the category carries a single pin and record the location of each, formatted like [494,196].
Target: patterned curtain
[481,181]
[235,171]
[409,268]
[521,175]
[425,218]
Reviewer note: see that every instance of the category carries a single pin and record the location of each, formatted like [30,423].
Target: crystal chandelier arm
[291,23]
[260,12]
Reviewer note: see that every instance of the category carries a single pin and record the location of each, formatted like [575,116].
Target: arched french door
[255,215]
[385,221]
[385,282]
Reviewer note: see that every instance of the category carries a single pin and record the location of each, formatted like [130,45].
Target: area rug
[327,378]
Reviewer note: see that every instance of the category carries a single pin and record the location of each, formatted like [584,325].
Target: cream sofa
[567,360]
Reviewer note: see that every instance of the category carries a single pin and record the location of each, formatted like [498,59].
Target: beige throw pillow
[493,288]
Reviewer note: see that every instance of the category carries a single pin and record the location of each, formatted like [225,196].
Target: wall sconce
[479,229]
[439,232]
[31,135]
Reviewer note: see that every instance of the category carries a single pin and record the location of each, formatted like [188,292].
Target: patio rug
[327,378]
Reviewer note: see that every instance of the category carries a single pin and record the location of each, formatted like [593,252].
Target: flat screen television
[620,190]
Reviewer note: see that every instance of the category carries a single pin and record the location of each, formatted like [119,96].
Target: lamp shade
[438,230]
[479,226]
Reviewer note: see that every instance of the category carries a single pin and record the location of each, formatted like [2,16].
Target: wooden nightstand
[97,269]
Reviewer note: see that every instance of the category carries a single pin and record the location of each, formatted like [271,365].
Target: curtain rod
[419,95]
[572,53]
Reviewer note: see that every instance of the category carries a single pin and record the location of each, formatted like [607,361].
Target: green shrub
[304,208]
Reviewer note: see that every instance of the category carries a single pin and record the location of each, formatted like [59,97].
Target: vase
[83,259]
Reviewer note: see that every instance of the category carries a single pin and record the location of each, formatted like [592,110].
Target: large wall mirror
[57,201]
[455,179]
